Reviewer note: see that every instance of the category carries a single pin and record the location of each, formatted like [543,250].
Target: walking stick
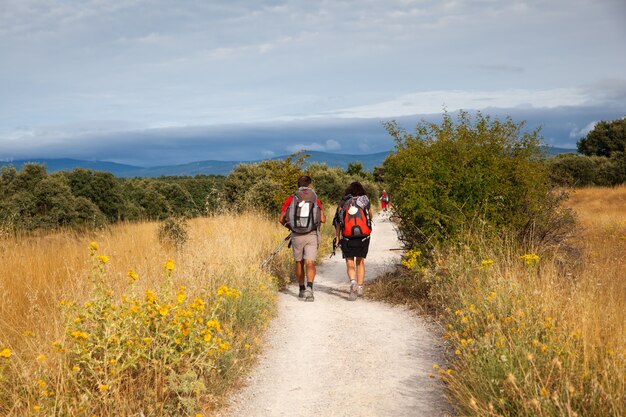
[279,247]
[334,248]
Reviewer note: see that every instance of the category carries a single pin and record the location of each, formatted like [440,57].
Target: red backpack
[354,220]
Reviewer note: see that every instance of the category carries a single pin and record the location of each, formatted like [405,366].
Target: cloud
[430,102]
[253,141]
[577,133]
[148,81]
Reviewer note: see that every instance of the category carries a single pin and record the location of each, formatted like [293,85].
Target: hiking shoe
[308,295]
[353,289]
[360,290]
[301,293]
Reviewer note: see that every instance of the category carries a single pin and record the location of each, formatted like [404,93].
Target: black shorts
[354,247]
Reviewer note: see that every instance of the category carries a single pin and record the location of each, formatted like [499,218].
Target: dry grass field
[533,333]
[127,325]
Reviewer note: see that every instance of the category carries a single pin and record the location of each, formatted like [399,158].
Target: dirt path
[334,357]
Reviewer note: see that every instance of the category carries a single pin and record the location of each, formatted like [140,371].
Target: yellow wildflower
[530,259]
[197,304]
[79,335]
[164,310]
[36,408]
[93,246]
[224,346]
[169,265]
[410,258]
[485,264]
[150,296]
[6,353]
[246,346]
[103,387]
[214,324]
[180,295]
[207,336]
[41,358]
[42,384]
[103,259]
[228,292]
[132,275]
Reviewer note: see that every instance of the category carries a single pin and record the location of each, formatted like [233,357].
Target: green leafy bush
[580,171]
[472,173]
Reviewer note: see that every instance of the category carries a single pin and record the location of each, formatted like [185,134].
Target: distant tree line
[33,199]
[603,159]
[267,184]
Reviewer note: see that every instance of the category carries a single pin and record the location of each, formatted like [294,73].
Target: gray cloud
[144,80]
[560,126]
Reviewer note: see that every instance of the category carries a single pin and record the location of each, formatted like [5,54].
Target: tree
[605,139]
[356,169]
[452,177]
[99,187]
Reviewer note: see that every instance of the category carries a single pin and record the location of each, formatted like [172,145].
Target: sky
[156,82]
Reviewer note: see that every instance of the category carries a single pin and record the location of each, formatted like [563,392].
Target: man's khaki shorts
[305,246]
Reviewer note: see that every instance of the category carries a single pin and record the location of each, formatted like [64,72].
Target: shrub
[479,173]
[173,232]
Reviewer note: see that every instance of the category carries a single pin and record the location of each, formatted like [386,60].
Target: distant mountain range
[369,161]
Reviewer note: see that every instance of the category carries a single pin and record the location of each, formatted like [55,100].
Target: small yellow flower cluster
[169,265]
[132,276]
[530,259]
[228,292]
[411,259]
[5,353]
[486,263]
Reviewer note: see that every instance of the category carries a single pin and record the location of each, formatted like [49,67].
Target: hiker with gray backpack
[353,227]
[303,214]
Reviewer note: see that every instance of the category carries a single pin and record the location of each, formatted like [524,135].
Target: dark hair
[355,189]
[304,181]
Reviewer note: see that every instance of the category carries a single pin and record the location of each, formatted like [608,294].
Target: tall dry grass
[533,336]
[41,272]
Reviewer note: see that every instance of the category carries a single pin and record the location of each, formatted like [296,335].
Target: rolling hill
[210,167]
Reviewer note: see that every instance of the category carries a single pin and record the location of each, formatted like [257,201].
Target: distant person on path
[384,200]
[353,226]
[303,214]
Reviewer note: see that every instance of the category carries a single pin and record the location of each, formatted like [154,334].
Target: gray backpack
[303,214]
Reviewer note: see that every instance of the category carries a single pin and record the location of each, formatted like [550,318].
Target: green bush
[580,171]
[469,174]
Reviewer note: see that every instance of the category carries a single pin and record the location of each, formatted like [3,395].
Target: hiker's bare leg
[360,270]
[300,272]
[350,268]
[310,270]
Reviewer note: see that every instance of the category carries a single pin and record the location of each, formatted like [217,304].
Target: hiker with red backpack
[384,200]
[353,227]
[303,214]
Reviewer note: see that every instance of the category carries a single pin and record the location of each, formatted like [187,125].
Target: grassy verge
[125,325]
[531,334]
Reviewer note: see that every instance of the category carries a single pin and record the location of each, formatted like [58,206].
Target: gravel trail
[334,357]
